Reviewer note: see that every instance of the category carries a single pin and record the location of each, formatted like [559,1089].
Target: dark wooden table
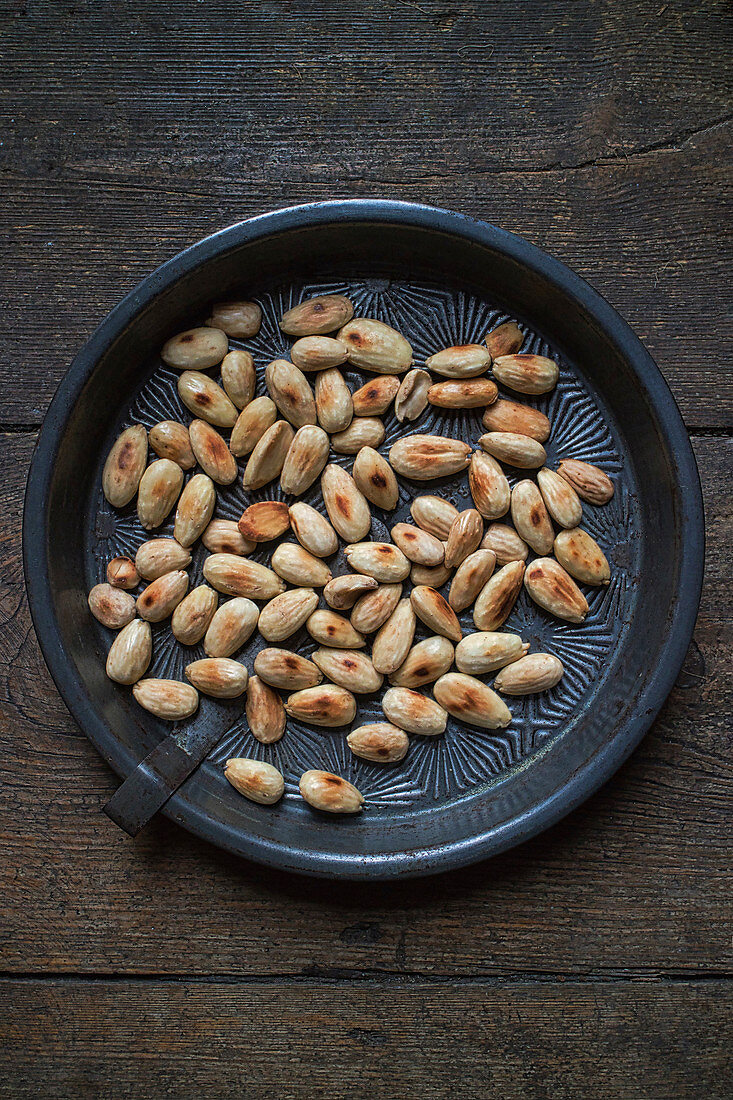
[596,960]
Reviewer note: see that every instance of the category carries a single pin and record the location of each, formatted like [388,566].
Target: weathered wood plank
[516,1040]
[636,878]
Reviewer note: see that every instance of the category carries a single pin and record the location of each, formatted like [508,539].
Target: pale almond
[318,353]
[220,677]
[111,606]
[285,670]
[426,662]
[286,613]
[162,596]
[346,505]
[427,457]
[170,700]
[412,396]
[434,514]
[237,576]
[376,347]
[590,483]
[530,674]
[470,577]
[582,557]
[296,565]
[195,509]
[375,396]
[506,544]
[193,615]
[334,405]
[343,592]
[121,573]
[169,439]
[329,629]
[318,315]
[326,705]
[515,450]
[414,712]
[487,650]
[435,576]
[231,626]
[463,361]
[379,742]
[419,546]
[489,486]
[363,431]
[158,556]
[561,500]
[130,653]
[464,537]
[252,423]
[386,563]
[238,377]
[329,792]
[264,711]
[526,373]
[268,456]
[241,319]
[394,638]
[530,517]
[158,491]
[374,608]
[348,668]
[511,416]
[255,779]
[312,530]
[222,536]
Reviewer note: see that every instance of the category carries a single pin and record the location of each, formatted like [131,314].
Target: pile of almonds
[366,631]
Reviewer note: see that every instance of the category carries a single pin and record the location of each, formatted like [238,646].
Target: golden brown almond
[285,670]
[130,653]
[386,563]
[533,673]
[195,349]
[505,339]
[169,439]
[434,577]
[232,625]
[162,596]
[312,530]
[346,505]
[526,373]
[268,457]
[582,557]
[511,416]
[327,705]
[434,514]
[171,700]
[343,592]
[471,393]
[590,483]
[561,500]
[471,701]
[435,611]
[195,509]
[265,520]
[255,779]
[251,425]
[211,452]
[222,536]
[334,405]
[331,793]
[464,537]
[111,606]
[374,608]
[237,576]
[375,346]
[489,486]
[487,650]
[304,462]
[516,450]
[394,638]
[329,629]
[264,711]
[286,614]
[414,712]
[530,517]
[375,396]
[193,615]
[318,353]
[240,319]
[121,573]
[379,742]
[238,377]
[505,542]
[363,431]
[348,668]
[412,396]
[158,556]
[427,457]
[316,316]
[125,465]
[206,400]
[498,596]
[470,577]
[288,387]
[374,477]
[417,545]
[296,565]
[463,361]
[426,662]
[554,589]
[219,677]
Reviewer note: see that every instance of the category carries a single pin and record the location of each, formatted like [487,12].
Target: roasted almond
[561,500]
[193,615]
[315,316]
[435,611]
[463,361]
[231,626]
[268,457]
[294,564]
[433,577]
[582,557]
[471,701]
[489,486]
[240,319]
[212,453]
[238,377]
[589,482]
[329,629]
[418,545]
[470,577]
[195,509]
[530,517]
[505,543]
[379,742]
[169,439]
[286,613]
[334,406]
[158,491]
[434,514]
[285,670]
[130,653]
[516,450]
[471,393]
[343,592]
[347,507]
[317,353]
[427,457]
[195,349]
[348,668]
[255,779]
[426,662]
[505,339]
[414,712]
[511,416]
[251,425]
[526,373]
[111,606]
[394,638]
[162,596]
[171,700]
[222,536]
[205,399]
[386,563]
[498,596]
[535,672]
[487,650]
[325,791]
[375,396]
[264,711]
[363,431]
[327,705]
[265,520]
[288,387]
[121,573]
[464,537]
[376,347]
[236,576]
[312,530]
[554,589]
[374,477]
[374,608]
[306,457]
[158,556]
[219,677]
[412,396]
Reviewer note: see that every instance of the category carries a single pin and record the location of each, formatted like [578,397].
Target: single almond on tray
[318,315]
[169,439]
[374,346]
[195,349]
[236,576]
[394,638]
[554,589]
[375,396]
[288,387]
[255,779]
[158,491]
[418,545]
[268,456]
[414,712]
[589,482]
[264,711]
[531,518]
[238,377]
[265,520]
[487,650]
[375,478]
[286,613]
[435,612]
[464,361]
[471,701]
[231,626]
[170,700]
[325,705]
[195,509]
[130,653]
[222,536]
[251,425]
[471,393]
[489,486]
[381,560]
[512,416]
[427,457]
[434,514]
[296,565]
[530,674]
[533,374]
[329,629]
[346,505]
[379,742]
[201,396]
[348,668]
[329,792]
[334,404]
[212,453]
[318,353]
[505,339]
[498,596]
[582,557]
[372,609]
[312,530]
[241,319]
[426,662]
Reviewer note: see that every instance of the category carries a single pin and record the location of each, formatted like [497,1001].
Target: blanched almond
[487,650]
[426,662]
[236,576]
[195,509]
[121,573]
[343,592]
[489,486]
[554,589]
[264,711]
[288,387]
[306,457]
[530,517]
[472,393]
[433,577]
[268,457]
[222,536]
[582,557]
[418,545]
[130,653]
[195,349]
[511,416]
[315,316]
[374,608]
[414,712]
[327,705]
[375,346]
[171,700]
[589,482]
[561,500]
[162,596]
[312,530]
[498,596]
[363,431]
[255,779]
[435,611]
[111,606]
[535,672]
[158,491]
[232,625]
[285,670]
[205,399]
[379,742]
[427,457]
[317,353]
[251,425]
[219,677]
[412,396]
[212,453]
[294,564]
[516,450]
[386,563]
[286,613]
[505,339]
[394,638]
[169,439]
[471,701]
[464,537]
[434,514]
[238,377]
[375,396]
[325,791]
[470,577]
[334,406]
[463,361]
[158,556]
[240,319]
[348,668]
[329,629]
[505,543]
[193,614]
[347,507]
[526,373]
[374,477]
[265,520]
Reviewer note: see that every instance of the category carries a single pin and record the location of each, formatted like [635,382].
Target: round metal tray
[441,279]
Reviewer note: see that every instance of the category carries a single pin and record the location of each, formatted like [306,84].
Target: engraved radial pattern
[451,766]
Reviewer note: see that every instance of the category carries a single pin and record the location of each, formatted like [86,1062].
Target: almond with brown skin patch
[589,482]
[374,608]
[285,670]
[232,625]
[222,536]
[414,712]
[111,606]
[498,596]
[329,629]
[212,453]
[195,509]
[170,700]
[582,557]
[195,349]
[375,346]
[255,779]
[220,677]
[312,530]
[472,393]
[419,546]
[306,457]
[505,339]
[265,520]
[193,615]
[158,556]
[554,589]
[511,416]
[331,793]
[347,507]
[125,465]
[526,373]
[235,576]
[530,517]
[121,573]
[238,377]
[317,353]
[241,319]
[506,544]
[561,500]
[264,711]
[427,457]
[318,315]
[375,396]
[375,478]
[169,439]
[130,653]
[386,563]
[435,611]
[268,457]
[426,662]
[434,514]
[251,425]
[471,701]
[412,396]
[162,596]
[379,742]
[463,361]
[288,387]
[471,576]
[205,399]
[489,486]
[464,537]
[394,638]
[533,673]
[515,450]
[334,406]
[327,705]
[348,668]
[286,613]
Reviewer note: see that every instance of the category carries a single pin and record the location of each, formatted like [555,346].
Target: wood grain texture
[519,1041]
[635,880]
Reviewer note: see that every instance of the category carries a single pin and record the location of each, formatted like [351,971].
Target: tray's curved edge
[679,633]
